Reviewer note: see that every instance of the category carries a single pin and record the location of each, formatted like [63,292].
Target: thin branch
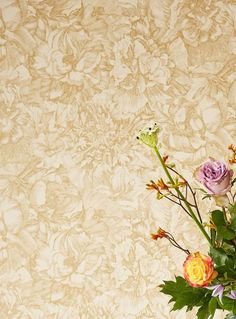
[175,244]
[190,210]
[185,209]
[186,191]
[233,196]
[180,199]
[178,203]
[191,190]
[196,205]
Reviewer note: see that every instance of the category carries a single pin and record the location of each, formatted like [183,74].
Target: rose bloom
[199,270]
[215,177]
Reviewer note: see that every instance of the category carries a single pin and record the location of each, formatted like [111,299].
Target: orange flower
[153,185]
[159,234]
[199,270]
[161,184]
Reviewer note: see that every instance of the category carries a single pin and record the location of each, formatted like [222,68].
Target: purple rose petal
[215,176]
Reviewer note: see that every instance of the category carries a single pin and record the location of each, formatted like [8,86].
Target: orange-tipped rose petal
[199,270]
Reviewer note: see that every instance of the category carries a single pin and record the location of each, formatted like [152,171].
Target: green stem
[182,196]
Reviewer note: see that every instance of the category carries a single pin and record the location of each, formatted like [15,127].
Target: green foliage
[218,217]
[223,230]
[229,248]
[202,190]
[219,256]
[228,304]
[182,294]
[212,306]
[226,273]
[206,196]
[232,210]
[203,312]
[224,256]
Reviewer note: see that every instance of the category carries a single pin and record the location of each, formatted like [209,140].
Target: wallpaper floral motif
[78,80]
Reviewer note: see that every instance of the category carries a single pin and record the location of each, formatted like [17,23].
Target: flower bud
[149,135]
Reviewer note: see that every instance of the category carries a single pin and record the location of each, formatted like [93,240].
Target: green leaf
[233,223]
[212,306]
[228,270]
[232,210]
[201,189]
[229,248]
[182,294]
[219,256]
[203,312]
[206,196]
[224,233]
[218,217]
[228,304]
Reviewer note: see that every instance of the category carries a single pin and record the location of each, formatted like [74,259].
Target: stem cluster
[177,196]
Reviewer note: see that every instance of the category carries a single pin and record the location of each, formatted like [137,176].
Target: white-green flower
[149,135]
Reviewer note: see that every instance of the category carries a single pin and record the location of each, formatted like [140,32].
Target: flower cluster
[209,281]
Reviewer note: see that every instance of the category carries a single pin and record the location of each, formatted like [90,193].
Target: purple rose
[215,176]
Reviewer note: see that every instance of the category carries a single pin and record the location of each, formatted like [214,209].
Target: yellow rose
[199,270]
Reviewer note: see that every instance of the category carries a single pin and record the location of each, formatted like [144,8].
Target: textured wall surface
[78,80]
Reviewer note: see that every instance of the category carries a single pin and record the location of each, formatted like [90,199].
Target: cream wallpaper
[78,80]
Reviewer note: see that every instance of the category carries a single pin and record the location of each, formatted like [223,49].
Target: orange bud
[159,234]
[152,186]
[162,184]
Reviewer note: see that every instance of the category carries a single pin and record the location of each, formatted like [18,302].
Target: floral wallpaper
[79,78]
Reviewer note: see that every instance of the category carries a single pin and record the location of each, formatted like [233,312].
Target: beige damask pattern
[78,80]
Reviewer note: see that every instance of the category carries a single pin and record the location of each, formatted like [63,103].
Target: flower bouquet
[209,281]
